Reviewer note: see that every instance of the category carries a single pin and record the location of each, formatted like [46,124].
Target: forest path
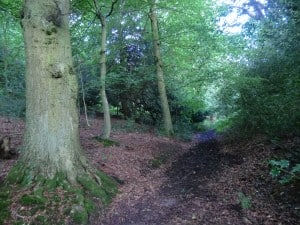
[170,182]
[188,195]
[209,183]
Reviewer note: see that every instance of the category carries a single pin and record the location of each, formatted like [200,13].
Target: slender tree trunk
[5,52]
[107,121]
[51,142]
[160,75]
[83,100]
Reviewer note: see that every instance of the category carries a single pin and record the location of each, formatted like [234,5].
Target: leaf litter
[205,181]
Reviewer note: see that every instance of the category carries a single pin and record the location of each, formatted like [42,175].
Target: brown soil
[164,181]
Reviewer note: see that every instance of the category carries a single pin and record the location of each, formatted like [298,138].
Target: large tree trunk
[160,75]
[51,143]
[105,105]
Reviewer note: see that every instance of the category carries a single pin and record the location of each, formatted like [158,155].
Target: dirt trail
[185,196]
[203,186]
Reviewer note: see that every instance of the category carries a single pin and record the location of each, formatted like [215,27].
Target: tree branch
[111,8]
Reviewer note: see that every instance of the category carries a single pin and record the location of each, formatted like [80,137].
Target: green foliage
[283,171]
[263,94]
[11,7]
[12,107]
[223,124]
[12,63]
[183,130]
[135,93]
[131,82]
[257,84]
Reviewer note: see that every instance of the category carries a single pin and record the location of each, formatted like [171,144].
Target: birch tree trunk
[168,126]
[51,142]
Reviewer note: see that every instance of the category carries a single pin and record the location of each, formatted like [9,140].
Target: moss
[67,211]
[32,200]
[5,196]
[79,214]
[89,206]
[107,142]
[4,193]
[93,188]
[79,198]
[66,185]
[4,206]
[52,184]
[56,198]
[15,174]
[20,176]
[41,219]
[19,223]
[39,191]
[105,192]
[57,195]
[4,203]
[108,184]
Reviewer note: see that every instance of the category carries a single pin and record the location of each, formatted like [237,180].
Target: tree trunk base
[32,194]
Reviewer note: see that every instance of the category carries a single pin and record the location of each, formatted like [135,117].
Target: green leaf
[296,168]
[280,163]
[275,172]
[285,179]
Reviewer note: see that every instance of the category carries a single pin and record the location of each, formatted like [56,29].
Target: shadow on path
[187,189]
[191,173]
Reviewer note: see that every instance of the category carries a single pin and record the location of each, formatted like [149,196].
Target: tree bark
[168,126]
[105,105]
[51,141]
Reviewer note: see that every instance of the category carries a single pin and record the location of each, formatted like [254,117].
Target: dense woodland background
[229,66]
[248,80]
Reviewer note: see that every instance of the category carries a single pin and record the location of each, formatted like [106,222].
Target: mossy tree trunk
[51,142]
[168,126]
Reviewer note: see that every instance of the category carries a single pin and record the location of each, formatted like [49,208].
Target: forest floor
[165,181]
